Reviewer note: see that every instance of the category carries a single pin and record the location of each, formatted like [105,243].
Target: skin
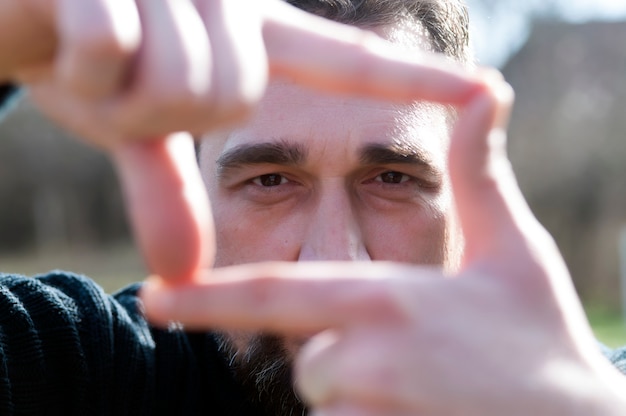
[511,290]
[505,335]
[318,201]
[297,183]
[332,204]
[328,203]
[186,66]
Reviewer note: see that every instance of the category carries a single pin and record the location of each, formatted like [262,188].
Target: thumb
[491,208]
[167,205]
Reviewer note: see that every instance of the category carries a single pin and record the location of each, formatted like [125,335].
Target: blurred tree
[57,193]
[501,27]
[567,144]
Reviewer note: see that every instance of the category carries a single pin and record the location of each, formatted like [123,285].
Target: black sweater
[67,348]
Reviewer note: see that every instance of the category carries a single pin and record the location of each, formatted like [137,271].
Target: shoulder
[66,303]
[8,94]
[85,340]
[61,332]
[618,358]
[74,293]
[55,288]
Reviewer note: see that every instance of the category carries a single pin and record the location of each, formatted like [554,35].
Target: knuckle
[378,302]
[495,87]
[268,297]
[235,109]
[507,94]
[235,98]
[361,56]
[260,293]
[102,44]
[162,105]
[221,111]
[380,378]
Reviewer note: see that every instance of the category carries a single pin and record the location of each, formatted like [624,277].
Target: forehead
[290,112]
[318,121]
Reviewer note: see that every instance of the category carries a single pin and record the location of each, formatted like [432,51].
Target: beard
[264,369]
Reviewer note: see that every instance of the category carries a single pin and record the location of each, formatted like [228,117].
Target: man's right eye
[269,180]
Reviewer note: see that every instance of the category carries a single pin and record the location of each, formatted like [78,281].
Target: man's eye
[272,179]
[392,177]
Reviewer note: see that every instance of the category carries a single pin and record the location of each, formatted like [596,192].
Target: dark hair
[446,21]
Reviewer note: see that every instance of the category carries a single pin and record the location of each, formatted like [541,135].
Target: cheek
[246,235]
[418,236]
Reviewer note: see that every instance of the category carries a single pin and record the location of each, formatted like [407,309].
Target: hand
[503,335]
[125,74]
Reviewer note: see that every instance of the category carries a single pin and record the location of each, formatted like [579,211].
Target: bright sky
[500,33]
[582,10]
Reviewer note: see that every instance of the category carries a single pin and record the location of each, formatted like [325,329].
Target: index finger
[167,204]
[97,41]
[345,59]
[287,297]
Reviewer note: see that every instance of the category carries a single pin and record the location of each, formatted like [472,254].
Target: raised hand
[505,334]
[126,74]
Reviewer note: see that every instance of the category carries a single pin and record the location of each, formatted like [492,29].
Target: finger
[98,39]
[493,212]
[345,59]
[241,71]
[167,205]
[283,297]
[27,38]
[354,365]
[348,408]
[172,76]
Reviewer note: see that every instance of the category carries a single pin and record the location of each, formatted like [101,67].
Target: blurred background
[61,206]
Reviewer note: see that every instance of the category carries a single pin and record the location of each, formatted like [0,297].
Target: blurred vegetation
[567,145]
[112,266]
[608,326]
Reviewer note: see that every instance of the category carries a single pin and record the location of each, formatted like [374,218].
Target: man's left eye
[270,180]
[392,177]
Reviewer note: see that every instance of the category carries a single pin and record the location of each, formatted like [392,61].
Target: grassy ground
[111,267]
[117,266]
[609,327]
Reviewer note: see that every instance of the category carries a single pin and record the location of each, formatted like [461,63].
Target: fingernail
[158,301]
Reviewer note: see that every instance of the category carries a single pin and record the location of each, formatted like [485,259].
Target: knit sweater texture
[67,348]
[8,96]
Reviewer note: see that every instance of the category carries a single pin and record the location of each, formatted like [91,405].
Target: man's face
[314,177]
[318,177]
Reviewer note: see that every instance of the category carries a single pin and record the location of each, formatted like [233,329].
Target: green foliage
[609,326]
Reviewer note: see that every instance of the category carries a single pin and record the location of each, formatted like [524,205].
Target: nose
[333,233]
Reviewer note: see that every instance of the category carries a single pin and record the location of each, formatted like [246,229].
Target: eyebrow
[398,153]
[285,153]
[275,153]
